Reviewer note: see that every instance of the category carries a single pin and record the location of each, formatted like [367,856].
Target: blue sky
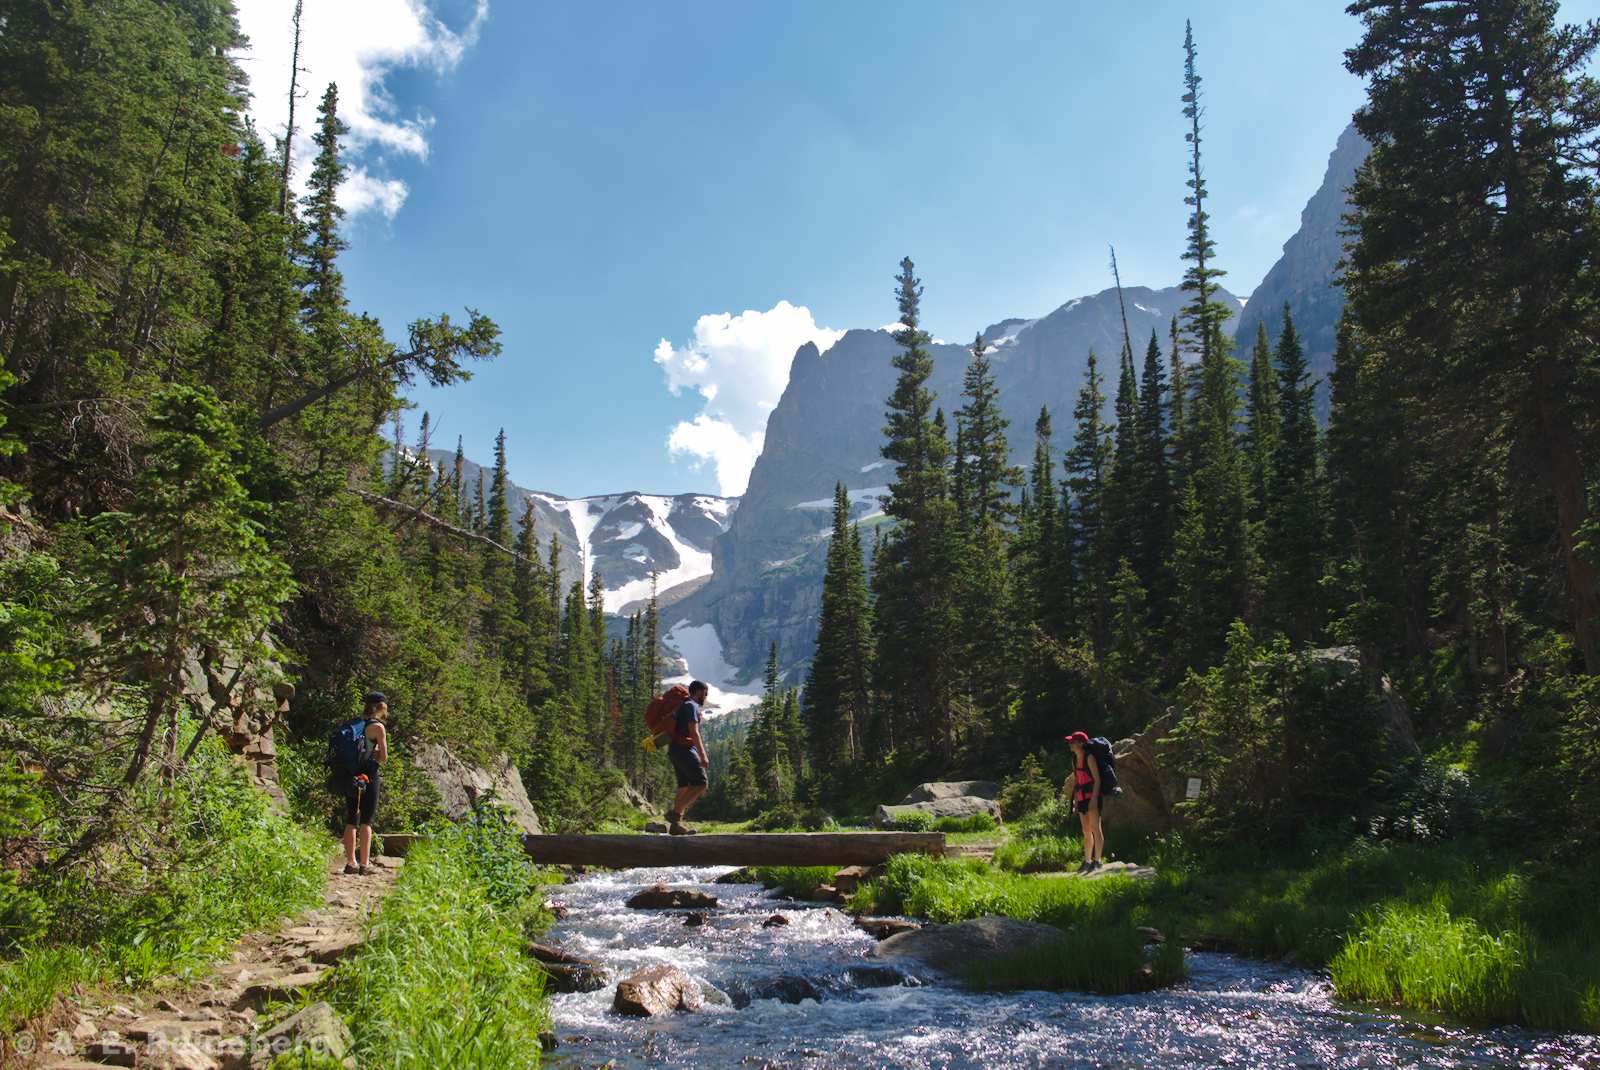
[598,178]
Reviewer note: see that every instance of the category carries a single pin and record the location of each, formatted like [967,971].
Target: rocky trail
[217,1023]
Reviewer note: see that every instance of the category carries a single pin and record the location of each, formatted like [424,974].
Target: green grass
[442,978]
[232,865]
[1107,960]
[796,881]
[1039,854]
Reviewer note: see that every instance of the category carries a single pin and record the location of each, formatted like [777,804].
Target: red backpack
[658,716]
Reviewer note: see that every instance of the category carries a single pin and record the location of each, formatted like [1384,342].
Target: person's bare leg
[366,843]
[349,845]
[686,799]
[1093,839]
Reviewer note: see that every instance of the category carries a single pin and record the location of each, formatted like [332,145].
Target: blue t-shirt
[688,714]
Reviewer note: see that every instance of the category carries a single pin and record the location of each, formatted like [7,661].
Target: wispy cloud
[356,43]
[739,366]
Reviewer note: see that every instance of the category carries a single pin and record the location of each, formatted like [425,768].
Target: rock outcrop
[461,785]
[960,806]
[951,789]
[657,991]
[957,949]
[316,1030]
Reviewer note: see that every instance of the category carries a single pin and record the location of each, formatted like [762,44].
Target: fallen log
[746,849]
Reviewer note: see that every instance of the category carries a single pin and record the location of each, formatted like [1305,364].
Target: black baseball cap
[372,698]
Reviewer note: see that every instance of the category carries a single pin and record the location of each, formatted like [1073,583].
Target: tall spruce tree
[1088,464]
[1477,241]
[1214,554]
[914,575]
[1296,514]
[1152,547]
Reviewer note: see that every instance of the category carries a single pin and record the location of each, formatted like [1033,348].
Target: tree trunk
[1565,467]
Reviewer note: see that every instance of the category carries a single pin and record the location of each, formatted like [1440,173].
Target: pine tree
[1152,548]
[1039,537]
[984,449]
[1088,464]
[1262,422]
[498,606]
[914,571]
[1477,240]
[1214,552]
[532,611]
[1296,516]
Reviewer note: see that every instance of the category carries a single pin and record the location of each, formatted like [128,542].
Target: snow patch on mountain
[701,649]
[869,497]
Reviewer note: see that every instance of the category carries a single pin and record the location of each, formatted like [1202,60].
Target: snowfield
[701,649]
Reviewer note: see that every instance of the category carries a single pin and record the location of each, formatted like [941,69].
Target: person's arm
[1094,771]
[699,744]
[380,750]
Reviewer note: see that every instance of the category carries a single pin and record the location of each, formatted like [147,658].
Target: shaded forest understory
[198,482]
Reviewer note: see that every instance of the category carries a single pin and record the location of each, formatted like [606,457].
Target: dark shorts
[686,763]
[369,804]
[1082,805]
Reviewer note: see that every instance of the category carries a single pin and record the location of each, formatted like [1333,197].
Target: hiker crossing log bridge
[741,849]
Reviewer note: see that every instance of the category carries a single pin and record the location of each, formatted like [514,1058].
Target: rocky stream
[804,993]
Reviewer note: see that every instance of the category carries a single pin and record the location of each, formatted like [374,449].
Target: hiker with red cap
[1089,799]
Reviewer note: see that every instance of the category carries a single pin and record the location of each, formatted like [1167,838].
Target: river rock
[742,875]
[661,897]
[774,922]
[658,828]
[462,784]
[956,949]
[656,991]
[576,977]
[789,988]
[848,879]
[954,806]
[317,1028]
[951,789]
[824,893]
[695,919]
[883,928]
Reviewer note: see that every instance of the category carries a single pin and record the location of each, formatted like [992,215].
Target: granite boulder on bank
[958,806]
[461,785]
[935,790]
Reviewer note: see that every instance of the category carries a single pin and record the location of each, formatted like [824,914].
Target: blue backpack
[349,748]
[1100,747]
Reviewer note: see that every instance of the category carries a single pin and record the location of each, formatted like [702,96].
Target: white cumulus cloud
[739,366]
[355,43]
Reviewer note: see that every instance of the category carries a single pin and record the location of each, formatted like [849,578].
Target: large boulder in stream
[569,972]
[951,789]
[959,948]
[661,897]
[461,785]
[656,991]
[955,806]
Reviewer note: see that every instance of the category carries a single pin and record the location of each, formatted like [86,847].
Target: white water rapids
[1231,1012]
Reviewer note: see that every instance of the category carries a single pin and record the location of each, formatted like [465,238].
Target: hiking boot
[1084,866]
[349,868]
[678,828]
[364,870]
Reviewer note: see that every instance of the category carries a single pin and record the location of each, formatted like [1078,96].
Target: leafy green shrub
[915,821]
[1027,792]
[792,816]
[1432,803]
[441,978]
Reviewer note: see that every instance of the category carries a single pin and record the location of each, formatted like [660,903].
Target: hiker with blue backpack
[354,752]
[1094,776]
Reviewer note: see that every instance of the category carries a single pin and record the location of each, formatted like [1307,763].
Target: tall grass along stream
[851,1013]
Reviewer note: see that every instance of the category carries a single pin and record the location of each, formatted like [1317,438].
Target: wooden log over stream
[742,849]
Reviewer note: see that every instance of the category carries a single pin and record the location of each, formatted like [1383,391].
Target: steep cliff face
[1305,277]
[828,429]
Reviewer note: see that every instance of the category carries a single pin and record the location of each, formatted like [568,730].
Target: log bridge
[739,849]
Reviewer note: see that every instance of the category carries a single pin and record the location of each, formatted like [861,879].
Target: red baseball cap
[1077,737]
